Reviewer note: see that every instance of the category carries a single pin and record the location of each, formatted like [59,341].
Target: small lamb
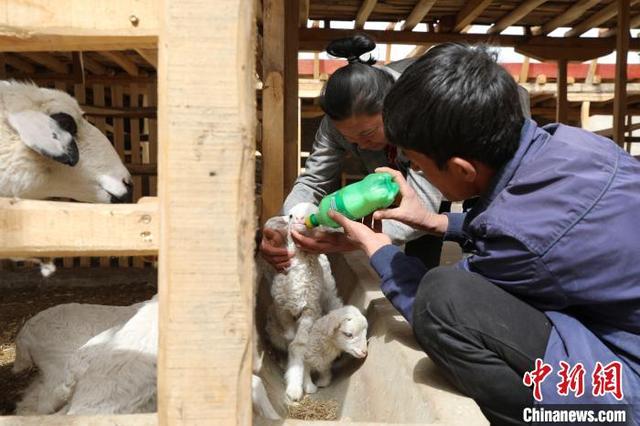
[48,149]
[300,297]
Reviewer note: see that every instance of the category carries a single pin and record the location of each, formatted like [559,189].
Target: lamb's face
[351,335]
[297,216]
[75,160]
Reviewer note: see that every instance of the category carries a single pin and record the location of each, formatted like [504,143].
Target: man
[554,270]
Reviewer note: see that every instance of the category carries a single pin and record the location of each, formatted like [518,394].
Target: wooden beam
[575,53]
[100,420]
[419,50]
[622,48]
[514,16]
[634,22]
[121,59]
[57,229]
[571,14]
[471,10]
[58,43]
[562,105]
[47,61]
[387,54]
[77,68]
[524,71]
[206,91]
[596,19]
[19,64]
[94,66]
[364,12]
[584,114]
[316,39]
[304,12]
[149,55]
[417,14]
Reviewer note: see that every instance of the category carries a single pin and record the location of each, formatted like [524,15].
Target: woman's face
[366,131]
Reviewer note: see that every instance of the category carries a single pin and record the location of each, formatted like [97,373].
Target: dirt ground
[18,305]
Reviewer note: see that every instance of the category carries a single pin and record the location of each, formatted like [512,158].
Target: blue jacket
[560,229]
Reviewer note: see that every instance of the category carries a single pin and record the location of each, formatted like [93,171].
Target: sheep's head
[298,214]
[350,333]
[70,157]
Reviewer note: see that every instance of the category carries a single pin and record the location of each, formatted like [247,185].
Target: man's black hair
[455,101]
[357,88]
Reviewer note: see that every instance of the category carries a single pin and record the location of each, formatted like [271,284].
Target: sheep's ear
[279,223]
[50,136]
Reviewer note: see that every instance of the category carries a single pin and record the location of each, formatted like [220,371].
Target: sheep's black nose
[127,197]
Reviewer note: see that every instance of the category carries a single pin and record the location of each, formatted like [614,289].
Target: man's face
[366,131]
[451,181]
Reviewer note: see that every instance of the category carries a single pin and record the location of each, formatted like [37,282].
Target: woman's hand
[323,242]
[411,211]
[273,249]
[360,234]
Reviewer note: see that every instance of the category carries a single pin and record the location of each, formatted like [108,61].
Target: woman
[352,101]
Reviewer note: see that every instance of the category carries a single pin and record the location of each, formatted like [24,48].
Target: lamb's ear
[279,223]
[50,136]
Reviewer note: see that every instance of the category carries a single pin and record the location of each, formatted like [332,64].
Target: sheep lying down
[92,359]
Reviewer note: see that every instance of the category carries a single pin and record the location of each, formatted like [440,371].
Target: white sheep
[49,339]
[300,296]
[115,371]
[48,149]
[341,330]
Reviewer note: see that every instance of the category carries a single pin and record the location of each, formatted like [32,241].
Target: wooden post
[279,102]
[562,105]
[206,171]
[622,48]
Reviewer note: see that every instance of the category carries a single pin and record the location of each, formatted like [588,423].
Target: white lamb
[48,149]
[49,339]
[300,297]
[341,330]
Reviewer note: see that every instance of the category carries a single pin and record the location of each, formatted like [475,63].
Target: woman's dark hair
[357,88]
[456,101]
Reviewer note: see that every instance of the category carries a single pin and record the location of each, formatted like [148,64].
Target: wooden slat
[562,104]
[418,51]
[103,420]
[149,55]
[38,43]
[47,60]
[58,229]
[121,59]
[19,64]
[79,93]
[524,70]
[622,48]
[317,39]
[471,10]
[207,117]
[417,14]
[634,22]
[515,15]
[596,19]
[571,14]
[304,12]
[364,12]
[152,93]
[117,101]
[136,155]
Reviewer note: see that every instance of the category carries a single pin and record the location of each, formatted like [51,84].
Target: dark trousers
[483,339]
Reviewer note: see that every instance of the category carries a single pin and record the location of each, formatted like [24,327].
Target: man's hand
[360,234]
[323,242]
[411,211]
[273,249]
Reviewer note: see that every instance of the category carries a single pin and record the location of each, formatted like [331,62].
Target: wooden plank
[622,48]
[514,16]
[19,64]
[524,71]
[571,14]
[3,66]
[152,94]
[304,12]
[562,104]
[117,101]
[121,59]
[58,229]
[79,92]
[59,43]
[149,55]
[387,54]
[100,420]
[47,60]
[597,18]
[27,19]
[206,269]
[634,22]
[418,13]
[136,155]
[471,10]
[364,12]
[418,51]
[317,38]
[279,103]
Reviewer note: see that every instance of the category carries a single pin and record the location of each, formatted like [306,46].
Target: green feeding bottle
[355,201]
